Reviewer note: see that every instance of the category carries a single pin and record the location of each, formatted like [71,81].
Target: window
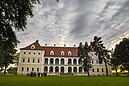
[45,69]
[51,69]
[75,69]
[32,69]
[28,60]
[27,69]
[46,60]
[62,61]
[29,53]
[93,70]
[80,69]
[56,61]
[38,60]
[56,69]
[23,60]
[37,69]
[52,52]
[97,62]
[102,70]
[97,69]
[69,53]
[22,68]
[39,53]
[24,52]
[51,61]
[62,53]
[34,53]
[32,46]
[74,61]
[33,60]
[69,61]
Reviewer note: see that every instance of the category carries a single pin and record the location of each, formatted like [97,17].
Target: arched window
[56,69]
[69,61]
[32,46]
[74,61]
[51,69]
[45,69]
[62,61]
[46,60]
[80,69]
[62,69]
[69,69]
[62,53]
[51,61]
[56,61]
[69,53]
[52,52]
[75,69]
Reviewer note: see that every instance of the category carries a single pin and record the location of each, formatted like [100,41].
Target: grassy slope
[63,81]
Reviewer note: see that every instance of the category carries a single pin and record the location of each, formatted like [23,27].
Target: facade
[55,60]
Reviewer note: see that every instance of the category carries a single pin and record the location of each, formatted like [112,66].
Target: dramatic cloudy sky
[71,21]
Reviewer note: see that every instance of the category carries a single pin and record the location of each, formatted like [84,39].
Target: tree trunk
[5,69]
[88,72]
[106,67]
[116,72]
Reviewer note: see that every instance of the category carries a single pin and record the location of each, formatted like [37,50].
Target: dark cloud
[71,21]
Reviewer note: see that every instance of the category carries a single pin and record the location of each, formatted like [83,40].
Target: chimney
[36,40]
[74,45]
[54,45]
[64,45]
[45,44]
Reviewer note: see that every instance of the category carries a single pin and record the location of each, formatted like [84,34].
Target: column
[48,69]
[53,69]
[59,69]
[77,61]
[59,61]
[54,61]
[48,61]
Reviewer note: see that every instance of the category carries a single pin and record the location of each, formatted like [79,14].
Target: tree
[115,63]
[121,53]
[101,51]
[13,15]
[83,51]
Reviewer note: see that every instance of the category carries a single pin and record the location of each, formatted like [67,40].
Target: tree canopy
[13,15]
[121,54]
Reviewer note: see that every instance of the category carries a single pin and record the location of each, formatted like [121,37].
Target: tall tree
[121,52]
[101,51]
[83,51]
[115,64]
[13,14]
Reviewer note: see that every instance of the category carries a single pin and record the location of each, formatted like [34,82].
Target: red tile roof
[57,50]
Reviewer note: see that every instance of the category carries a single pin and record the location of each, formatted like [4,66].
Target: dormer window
[62,53]
[32,46]
[52,52]
[69,53]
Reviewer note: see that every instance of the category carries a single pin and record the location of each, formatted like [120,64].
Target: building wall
[30,59]
[97,69]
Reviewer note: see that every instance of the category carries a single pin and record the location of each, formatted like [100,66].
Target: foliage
[83,51]
[101,51]
[121,53]
[13,15]
[12,70]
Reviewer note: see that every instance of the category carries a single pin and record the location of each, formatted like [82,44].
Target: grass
[63,81]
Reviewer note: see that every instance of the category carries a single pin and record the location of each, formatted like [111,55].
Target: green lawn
[63,81]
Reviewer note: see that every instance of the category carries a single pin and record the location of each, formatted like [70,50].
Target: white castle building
[55,60]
